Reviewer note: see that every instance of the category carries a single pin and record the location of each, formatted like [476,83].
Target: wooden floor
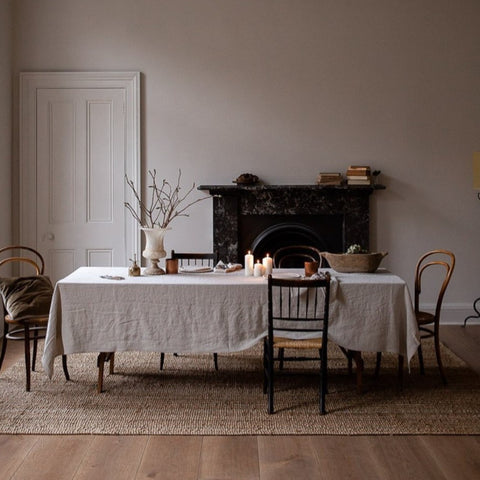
[248,457]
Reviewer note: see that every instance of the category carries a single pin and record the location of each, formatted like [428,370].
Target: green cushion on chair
[26,296]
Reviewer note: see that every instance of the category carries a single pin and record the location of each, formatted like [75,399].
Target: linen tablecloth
[214,312]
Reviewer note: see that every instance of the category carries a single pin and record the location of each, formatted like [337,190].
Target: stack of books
[359,175]
[329,179]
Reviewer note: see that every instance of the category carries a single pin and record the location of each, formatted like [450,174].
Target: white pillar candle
[267,263]
[258,269]
[248,264]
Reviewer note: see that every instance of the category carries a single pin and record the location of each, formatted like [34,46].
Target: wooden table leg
[102,358]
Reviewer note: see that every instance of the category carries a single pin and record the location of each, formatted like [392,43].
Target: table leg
[102,358]
[357,357]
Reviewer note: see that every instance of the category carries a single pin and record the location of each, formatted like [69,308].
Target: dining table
[103,310]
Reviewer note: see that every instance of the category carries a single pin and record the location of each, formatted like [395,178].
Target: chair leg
[65,369]
[323,382]
[27,355]
[162,360]
[34,353]
[439,358]
[281,356]
[420,360]
[400,372]
[215,361]
[377,364]
[4,343]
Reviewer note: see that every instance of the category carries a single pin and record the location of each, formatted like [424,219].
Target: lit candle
[248,264]
[258,269]
[267,264]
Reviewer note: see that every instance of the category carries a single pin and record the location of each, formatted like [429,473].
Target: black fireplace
[263,218]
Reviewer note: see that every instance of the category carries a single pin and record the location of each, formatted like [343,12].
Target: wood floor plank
[171,458]
[398,457]
[108,457]
[53,456]
[287,457]
[229,458]
[346,457]
[456,457]
[13,450]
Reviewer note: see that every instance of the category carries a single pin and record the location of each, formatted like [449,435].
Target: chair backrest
[298,305]
[444,259]
[294,256]
[201,259]
[22,255]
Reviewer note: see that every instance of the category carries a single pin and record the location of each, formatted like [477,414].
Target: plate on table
[195,269]
[286,275]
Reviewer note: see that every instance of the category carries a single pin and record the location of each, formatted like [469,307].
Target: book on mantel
[329,179]
[359,175]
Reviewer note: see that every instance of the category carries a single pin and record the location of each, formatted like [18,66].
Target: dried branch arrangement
[165,202]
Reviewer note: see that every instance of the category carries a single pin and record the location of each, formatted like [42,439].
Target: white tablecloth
[214,312]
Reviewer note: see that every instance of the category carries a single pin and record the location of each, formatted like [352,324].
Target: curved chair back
[203,259]
[435,258]
[18,254]
[294,256]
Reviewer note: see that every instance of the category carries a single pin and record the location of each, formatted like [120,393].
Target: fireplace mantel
[233,204]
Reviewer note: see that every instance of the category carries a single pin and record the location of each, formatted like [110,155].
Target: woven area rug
[189,397]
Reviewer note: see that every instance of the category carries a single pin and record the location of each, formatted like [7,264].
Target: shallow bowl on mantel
[354,262]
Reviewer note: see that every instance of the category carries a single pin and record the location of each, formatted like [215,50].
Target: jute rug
[190,397]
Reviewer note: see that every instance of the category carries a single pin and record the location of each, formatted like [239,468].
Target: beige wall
[5,121]
[287,88]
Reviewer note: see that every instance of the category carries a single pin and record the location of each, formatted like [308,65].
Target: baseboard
[454,313]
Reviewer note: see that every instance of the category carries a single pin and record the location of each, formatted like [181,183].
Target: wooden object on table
[354,262]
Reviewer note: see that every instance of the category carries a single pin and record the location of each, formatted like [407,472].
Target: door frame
[29,83]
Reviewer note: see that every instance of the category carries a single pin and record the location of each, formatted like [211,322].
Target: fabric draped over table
[209,312]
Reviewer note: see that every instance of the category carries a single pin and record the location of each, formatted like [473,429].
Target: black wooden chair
[294,256]
[440,264]
[26,304]
[190,260]
[296,306]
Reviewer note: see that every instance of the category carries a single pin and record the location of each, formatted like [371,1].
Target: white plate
[195,269]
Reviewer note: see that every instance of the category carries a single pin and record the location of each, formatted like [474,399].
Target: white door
[80,156]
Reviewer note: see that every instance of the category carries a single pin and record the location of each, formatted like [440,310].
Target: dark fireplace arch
[284,235]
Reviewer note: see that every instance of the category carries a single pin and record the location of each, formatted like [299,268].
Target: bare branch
[164,202]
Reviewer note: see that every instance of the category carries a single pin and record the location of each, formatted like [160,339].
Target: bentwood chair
[194,259]
[294,256]
[440,265]
[26,304]
[296,308]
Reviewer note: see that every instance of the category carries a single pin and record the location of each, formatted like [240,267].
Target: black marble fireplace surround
[263,218]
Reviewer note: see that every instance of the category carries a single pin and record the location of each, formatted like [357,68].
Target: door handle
[49,236]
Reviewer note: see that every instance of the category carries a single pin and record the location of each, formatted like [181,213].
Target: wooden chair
[439,263]
[296,306]
[30,297]
[294,256]
[193,259]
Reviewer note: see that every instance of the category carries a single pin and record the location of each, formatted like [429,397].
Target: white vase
[154,249]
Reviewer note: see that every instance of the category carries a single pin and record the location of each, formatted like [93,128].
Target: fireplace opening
[264,234]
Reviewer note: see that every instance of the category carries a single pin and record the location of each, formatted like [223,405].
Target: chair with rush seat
[192,260]
[297,319]
[26,304]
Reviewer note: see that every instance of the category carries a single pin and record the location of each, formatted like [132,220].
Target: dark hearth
[266,217]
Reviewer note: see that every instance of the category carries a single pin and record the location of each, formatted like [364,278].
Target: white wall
[5,122]
[287,88]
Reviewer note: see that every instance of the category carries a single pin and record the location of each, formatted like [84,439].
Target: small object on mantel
[246,179]
[329,179]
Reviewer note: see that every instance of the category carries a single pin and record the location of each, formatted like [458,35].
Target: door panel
[80,178]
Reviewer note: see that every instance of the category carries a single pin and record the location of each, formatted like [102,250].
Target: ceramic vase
[154,249]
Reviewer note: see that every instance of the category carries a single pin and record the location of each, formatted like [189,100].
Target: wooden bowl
[354,262]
